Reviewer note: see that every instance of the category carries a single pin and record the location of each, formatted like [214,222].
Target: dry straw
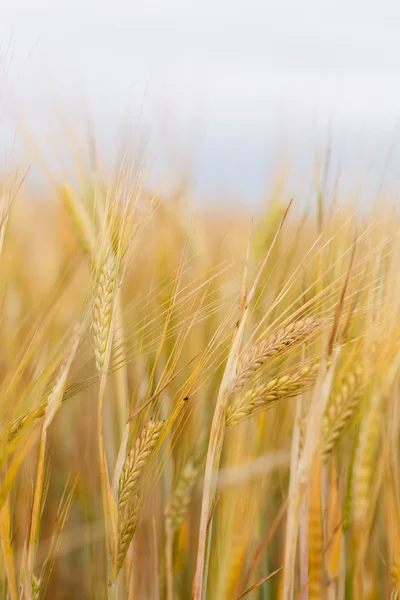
[36,413]
[315,539]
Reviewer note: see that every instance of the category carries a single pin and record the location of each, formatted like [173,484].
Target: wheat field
[196,404]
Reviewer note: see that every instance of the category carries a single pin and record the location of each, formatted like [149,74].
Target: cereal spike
[136,459]
[102,310]
[262,396]
[181,497]
[260,352]
[129,492]
[364,461]
[340,409]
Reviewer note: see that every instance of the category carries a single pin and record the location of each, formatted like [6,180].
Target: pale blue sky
[237,77]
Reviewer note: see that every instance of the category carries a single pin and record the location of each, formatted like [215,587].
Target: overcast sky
[238,77]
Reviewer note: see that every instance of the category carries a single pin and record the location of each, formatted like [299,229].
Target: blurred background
[231,90]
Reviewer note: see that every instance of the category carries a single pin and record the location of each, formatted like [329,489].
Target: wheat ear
[103,310]
[181,497]
[260,352]
[262,396]
[20,422]
[340,409]
[40,410]
[129,492]
[364,463]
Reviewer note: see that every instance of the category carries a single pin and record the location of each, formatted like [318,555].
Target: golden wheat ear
[342,405]
[260,397]
[254,360]
[181,497]
[129,492]
[103,303]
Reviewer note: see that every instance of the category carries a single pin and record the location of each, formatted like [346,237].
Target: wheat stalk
[53,404]
[395,572]
[315,537]
[218,427]
[40,410]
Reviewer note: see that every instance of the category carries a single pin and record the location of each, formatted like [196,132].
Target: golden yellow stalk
[218,429]
[103,319]
[53,404]
[238,553]
[300,476]
[4,213]
[178,505]
[333,532]
[14,466]
[9,188]
[315,537]
[395,571]
[393,526]
[6,547]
